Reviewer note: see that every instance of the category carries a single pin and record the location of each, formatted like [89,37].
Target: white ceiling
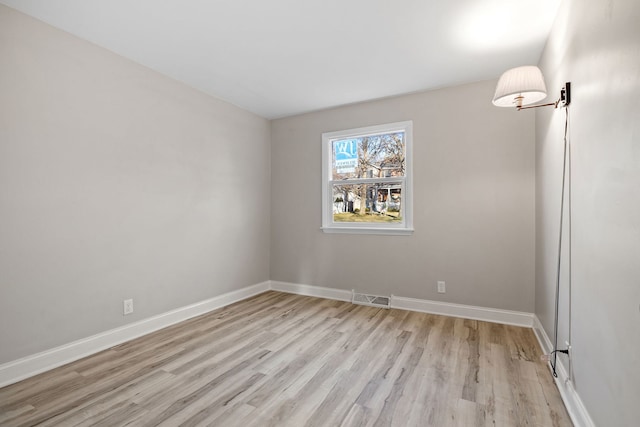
[283,57]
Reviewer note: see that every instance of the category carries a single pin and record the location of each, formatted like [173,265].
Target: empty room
[320,213]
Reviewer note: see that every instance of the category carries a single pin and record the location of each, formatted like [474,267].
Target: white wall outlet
[127,306]
[442,288]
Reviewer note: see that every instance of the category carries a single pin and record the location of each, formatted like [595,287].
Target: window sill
[368,230]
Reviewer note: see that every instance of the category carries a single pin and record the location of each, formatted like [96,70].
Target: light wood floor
[286,360]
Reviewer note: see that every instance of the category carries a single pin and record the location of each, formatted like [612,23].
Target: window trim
[406,227]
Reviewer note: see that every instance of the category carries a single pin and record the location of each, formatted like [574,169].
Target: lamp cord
[567,153]
[570,251]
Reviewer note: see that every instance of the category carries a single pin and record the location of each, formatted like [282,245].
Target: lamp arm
[563,101]
[555,105]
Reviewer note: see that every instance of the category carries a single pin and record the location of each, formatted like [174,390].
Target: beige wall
[116,182]
[473,203]
[595,45]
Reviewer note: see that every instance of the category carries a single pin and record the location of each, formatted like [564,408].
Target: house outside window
[367,185]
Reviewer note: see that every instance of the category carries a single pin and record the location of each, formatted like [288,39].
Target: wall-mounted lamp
[522,86]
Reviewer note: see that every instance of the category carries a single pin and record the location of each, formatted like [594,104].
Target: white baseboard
[543,338]
[517,318]
[576,409]
[29,366]
[311,291]
[424,306]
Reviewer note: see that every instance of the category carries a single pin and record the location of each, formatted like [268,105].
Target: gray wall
[473,203]
[116,182]
[595,45]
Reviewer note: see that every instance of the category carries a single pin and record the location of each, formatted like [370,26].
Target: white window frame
[404,227]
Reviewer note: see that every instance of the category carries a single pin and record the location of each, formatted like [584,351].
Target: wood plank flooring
[287,360]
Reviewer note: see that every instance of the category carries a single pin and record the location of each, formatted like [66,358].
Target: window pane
[375,156]
[379,202]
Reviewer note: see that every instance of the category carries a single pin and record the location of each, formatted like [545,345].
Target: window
[366,180]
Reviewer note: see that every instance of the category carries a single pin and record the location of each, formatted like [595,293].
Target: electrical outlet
[441,287]
[127,306]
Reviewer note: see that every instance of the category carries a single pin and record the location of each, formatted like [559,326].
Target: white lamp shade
[525,82]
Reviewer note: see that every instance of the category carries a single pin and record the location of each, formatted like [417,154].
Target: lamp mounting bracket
[565,95]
